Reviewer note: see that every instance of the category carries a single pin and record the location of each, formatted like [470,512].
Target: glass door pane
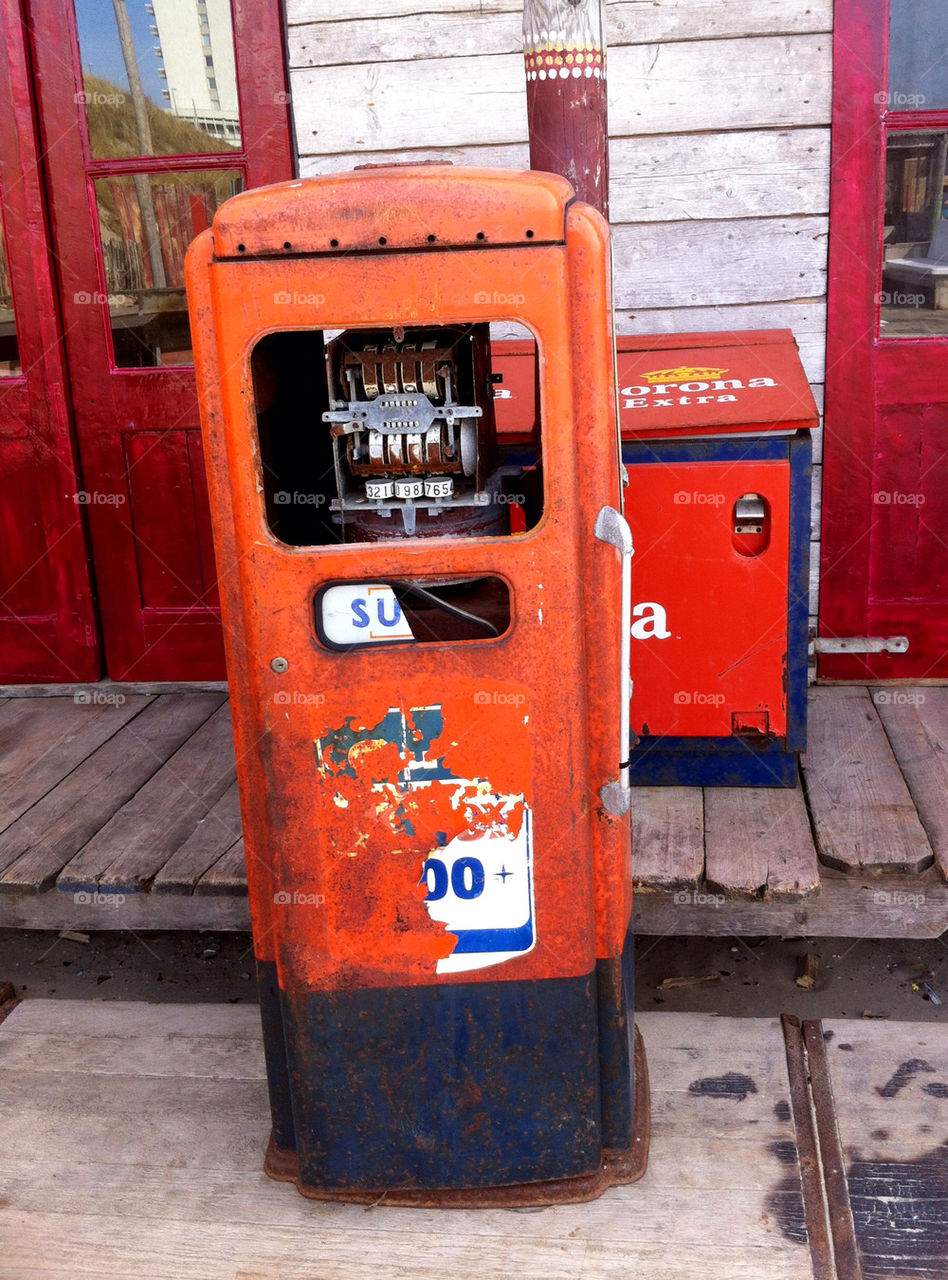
[159,78]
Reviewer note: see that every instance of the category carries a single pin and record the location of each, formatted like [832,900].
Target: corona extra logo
[683,374]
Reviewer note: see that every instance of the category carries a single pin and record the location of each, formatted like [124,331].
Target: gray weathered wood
[756,174]
[916,722]
[126,854]
[754,260]
[228,875]
[894,1143]
[863,815]
[216,832]
[166,1180]
[86,910]
[149,688]
[412,29]
[758,843]
[43,740]
[760,82]
[35,848]
[847,906]
[667,836]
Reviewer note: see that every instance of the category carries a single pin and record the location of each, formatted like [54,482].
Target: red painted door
[885,481]
[151,116]
[47,621]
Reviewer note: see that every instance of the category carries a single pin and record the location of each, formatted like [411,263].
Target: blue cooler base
[489,1093]
[711,762]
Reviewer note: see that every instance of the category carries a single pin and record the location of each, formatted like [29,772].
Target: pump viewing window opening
[373,435]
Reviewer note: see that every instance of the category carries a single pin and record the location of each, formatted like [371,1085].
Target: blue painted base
[470,1088]
[711,762]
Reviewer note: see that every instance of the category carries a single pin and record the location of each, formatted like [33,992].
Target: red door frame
[115,406]
[48,628]
[864,373]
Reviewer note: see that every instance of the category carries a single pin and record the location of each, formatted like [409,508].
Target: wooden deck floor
[132,1140]
[119,809]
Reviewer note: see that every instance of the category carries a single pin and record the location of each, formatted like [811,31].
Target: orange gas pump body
[378,781]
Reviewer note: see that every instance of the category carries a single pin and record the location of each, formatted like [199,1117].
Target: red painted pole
[565,61]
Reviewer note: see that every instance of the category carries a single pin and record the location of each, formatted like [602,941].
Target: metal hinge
[859,644]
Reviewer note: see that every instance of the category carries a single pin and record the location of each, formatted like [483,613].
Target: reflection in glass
[915,254]
[146,222]
[9,347]
[159,78]
[918,55]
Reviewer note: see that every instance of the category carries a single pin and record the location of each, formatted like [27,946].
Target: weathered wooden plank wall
[719,115]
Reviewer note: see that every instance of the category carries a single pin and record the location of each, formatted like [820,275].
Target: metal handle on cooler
[613,528]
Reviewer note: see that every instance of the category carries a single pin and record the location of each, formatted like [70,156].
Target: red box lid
[683,384]
[708,383]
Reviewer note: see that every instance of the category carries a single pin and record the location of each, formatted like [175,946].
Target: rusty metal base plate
[618,1168]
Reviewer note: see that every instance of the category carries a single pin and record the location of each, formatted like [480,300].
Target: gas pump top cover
[395,207]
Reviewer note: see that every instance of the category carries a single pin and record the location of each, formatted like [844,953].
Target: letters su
[361,617]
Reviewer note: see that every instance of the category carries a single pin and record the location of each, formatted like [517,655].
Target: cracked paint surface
[425,836]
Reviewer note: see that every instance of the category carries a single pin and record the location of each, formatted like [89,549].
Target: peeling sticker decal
[470,842]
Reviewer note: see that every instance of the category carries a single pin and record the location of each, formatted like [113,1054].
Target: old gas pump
[427,643]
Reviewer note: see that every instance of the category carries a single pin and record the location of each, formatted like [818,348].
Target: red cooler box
[716,442]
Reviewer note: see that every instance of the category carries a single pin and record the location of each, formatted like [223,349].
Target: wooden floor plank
[916,721]
[228,875]
[890,1083]
[213,836]
[166,1180]
[35,848]
[43,739]
[126,854]
[847,906]
[667,836]
[862,812]
[758,843]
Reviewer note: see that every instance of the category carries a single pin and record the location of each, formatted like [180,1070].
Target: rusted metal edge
[618,1168]
[815,1208]
[842,1227]
[8,999]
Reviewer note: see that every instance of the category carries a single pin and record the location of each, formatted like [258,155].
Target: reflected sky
[102,53]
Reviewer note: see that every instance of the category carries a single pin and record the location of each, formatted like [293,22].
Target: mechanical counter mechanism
[413,433]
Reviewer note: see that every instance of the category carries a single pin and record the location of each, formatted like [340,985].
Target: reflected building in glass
[196,61]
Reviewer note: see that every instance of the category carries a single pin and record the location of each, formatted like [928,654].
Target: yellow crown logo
[684,374]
